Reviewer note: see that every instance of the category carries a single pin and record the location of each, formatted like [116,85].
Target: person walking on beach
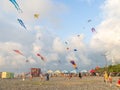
[80,75]
[110,79]
[47,77]
[106,77]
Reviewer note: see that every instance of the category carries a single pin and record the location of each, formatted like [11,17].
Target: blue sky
[74,21]
[59,21]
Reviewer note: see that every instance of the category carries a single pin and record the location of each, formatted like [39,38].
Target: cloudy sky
[62,26]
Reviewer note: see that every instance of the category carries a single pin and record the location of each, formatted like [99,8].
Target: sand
[58,83]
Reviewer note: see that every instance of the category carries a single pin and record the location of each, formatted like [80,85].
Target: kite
[78,35]
[67,48]
[27,60]
[41,56]
[74,64]
[89,20]
[75,49]
[16,5]
[36,16]
[93,30]
[17,51]
[66,42]
[21,23]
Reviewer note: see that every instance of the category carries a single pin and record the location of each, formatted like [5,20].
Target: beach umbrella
[84,71]
[49,71]
[92,71]
[73,71]
[57,72]
[65,71]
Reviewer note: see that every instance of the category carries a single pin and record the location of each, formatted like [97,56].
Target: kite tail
[19,10]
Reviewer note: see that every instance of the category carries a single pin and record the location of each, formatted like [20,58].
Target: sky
[61,27]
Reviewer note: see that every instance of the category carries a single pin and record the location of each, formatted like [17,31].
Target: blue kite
[16,5]
[21,23]
[75,49]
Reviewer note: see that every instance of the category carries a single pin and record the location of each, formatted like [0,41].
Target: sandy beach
[58,83]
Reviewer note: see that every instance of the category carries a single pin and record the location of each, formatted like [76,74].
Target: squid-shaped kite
[74,64]
[93,29]
[21,23]
[18,52]
[16,5]
[39,55]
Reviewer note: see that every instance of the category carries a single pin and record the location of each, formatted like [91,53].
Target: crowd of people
[108,80]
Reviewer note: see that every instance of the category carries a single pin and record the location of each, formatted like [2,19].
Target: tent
[7,75]
[57,72]
[84,71]
[73,71]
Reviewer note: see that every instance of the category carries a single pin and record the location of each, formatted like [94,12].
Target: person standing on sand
[80,75]
[106,77]
[110,79]
[23,76]
[47,76]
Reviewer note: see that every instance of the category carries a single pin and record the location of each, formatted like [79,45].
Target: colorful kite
[74,64]
[18,52]
[41,56]
[21,23]
[16,5]
[36,16]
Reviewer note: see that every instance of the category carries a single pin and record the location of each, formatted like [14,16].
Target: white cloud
[9,60]
[88,1]
[107,38]
[40,39]
[58,46]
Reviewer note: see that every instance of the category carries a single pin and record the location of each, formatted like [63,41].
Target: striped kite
[16,5]
[21,23]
